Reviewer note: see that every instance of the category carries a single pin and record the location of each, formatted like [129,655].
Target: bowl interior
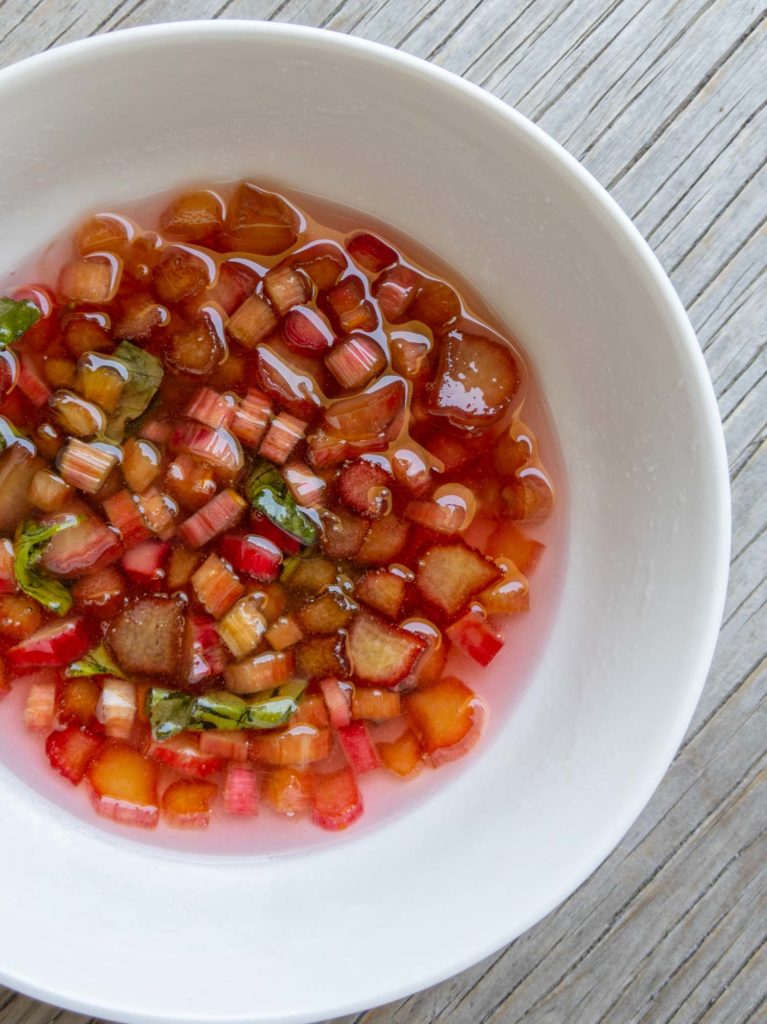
[645,568]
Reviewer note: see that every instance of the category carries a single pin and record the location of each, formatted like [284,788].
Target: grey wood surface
[664,101]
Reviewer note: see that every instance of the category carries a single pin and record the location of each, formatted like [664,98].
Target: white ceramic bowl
[113,928]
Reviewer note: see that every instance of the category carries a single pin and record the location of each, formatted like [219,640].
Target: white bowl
[108,926]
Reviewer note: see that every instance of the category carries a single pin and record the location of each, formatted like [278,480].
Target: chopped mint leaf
[97,662]
[144,378]
[31,541]
[15,319]
[268,494]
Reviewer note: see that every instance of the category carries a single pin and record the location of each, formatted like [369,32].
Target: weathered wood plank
[664,100]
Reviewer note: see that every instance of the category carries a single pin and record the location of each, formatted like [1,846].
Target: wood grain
[665,103]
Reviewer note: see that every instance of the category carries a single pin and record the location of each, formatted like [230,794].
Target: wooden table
[664,101]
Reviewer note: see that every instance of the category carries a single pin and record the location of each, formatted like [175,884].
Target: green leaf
[97,662]
[144,378]
[31,541]
[269,495]
[15,319]
[174,711]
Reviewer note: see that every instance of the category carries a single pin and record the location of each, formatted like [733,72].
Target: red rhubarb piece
[252,555]
[370,252]
[58,643]
[336,801]
[364,487]
[70,750]
[355,743]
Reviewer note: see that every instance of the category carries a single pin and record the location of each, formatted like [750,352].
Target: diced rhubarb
[253,321]
[475,381]
[410,354]
[204,655]
[321,656]
[194,216]
[451,510]
[370,252]
[343,534]
[311,575]
[384,542]
[7,573]
[59,372]
[350,308]
[325,450]
[251,418]
[144,564]
[140,315]
[187,804]
[355,743]
[380,654]
[306,332]
[474,635]
[243,626]
[435,304]
[368,414]
[230,745]
[508,541]
[93,279]
[297,744]
[376,705]
[356,361]
[306,487]
[117,707]
[56,644]
[48,491]
[364,487]
[19,616]
[30,383]
[323,262]
[260,221]
[180,275]
[40,707]
[236,281]
[383,590]
[252,555]
[284,433]
[80,548]
[220,514]
[101,381]
[124,785]
[336,801]
[446,718]
[159,511]
[100,592]
[181,566]
[283,633]
[124,514]
[183,755]
[77,701]
[194,347]
[158,431]
[218,447]
[394,291]
[403,756]
[216,586]
[70,751]
[510,594]
[327,613]
[211,408]
[18,467]
[86,466]
[260,672]
[529,498]
[286,790]
[241,791]
[145,637]
[431,664]
[142,463]
[449,575]
[286,287]
[190,481]
[338,700]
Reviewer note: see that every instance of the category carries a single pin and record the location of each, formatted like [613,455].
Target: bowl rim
[713,450]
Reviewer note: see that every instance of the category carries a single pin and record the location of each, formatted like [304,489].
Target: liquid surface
[362,363]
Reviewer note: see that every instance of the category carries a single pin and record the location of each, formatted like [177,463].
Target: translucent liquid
[500,685]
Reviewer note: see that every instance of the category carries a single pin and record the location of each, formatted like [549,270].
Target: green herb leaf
[269,495]
[31,541]
[15,319]
[173,711]
[97,662]
[144,378]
